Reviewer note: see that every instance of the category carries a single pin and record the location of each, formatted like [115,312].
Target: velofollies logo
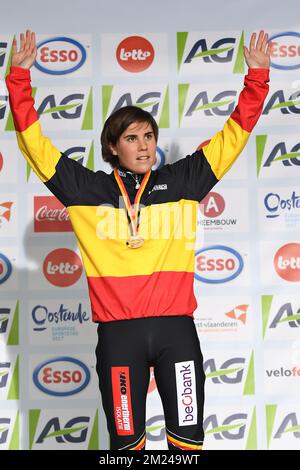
[62,109]
[155,100]
[216,52]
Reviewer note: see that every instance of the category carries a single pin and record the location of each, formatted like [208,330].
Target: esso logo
[212,205]
[61,377]
[59,56]
[287,262]
[5,268]
[135,54]
[218,264]
[62,267]
[285,52]
[1,161]
[160,159]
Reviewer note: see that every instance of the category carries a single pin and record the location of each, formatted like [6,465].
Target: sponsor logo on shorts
[122,400]
[186,393]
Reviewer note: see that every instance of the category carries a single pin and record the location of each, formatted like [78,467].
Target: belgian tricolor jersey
[157,278]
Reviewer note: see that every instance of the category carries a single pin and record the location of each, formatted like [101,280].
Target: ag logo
[135,54]
[3,46]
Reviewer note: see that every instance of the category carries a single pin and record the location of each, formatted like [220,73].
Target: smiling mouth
[143,158]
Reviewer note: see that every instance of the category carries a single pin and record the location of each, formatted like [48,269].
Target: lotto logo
[135,54]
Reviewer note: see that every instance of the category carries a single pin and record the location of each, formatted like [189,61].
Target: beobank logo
[62,267]
[135,54]
[61,377]
[285,52]
[217,264]
[60,56]
[212,205]
[287,262]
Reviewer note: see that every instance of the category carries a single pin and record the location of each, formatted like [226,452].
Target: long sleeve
[199,172]
[63,176]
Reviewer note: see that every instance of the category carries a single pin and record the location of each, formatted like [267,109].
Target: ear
[113,150]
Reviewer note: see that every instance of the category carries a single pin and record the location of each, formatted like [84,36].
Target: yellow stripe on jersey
[225,146]
[38,150]
[168,230]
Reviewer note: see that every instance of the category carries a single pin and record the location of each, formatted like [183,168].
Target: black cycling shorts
[125,352]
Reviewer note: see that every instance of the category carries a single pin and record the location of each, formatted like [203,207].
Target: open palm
[25,56]
[258,55]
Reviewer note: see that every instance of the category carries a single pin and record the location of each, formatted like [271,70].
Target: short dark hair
[117,123]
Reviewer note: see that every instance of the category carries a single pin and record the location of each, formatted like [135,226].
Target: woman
[136,232]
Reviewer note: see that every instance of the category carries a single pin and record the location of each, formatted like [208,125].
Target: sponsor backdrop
[184,64]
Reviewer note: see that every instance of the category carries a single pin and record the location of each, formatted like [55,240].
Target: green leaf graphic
[224,428]
[65,432]
[34,416]
[286,104]
[183,89]
[239,66]
[94,439]
[87,123]
[146,105]
[251,443]
[217,104]
[270,419]
[181,42]
[212,52]
[13,338]
[261,141]
[266,302]
[219,373]
[164,121]
[249,387]
[61,108]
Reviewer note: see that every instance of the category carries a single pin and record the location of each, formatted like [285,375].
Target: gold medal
[135,241]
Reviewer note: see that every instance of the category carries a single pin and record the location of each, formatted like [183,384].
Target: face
[136,147]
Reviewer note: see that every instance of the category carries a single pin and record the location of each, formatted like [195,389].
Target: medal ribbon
[132,211]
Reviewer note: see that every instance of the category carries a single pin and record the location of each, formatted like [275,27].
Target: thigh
[180,381]
[123,375]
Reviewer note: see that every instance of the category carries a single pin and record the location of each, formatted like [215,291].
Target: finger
[22,42]
[269,49]
[252,41]
[264,43]
[27,43]
[32,42]
[246,52]
[14,45]
[260,40]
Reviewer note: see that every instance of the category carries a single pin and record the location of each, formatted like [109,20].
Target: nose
[142,143]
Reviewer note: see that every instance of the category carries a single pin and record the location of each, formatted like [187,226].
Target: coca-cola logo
[287,262]
[135,54]
[1,161]
[212,205]
[50,215]
[62,267]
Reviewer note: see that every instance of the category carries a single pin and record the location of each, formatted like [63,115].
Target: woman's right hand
[26,55]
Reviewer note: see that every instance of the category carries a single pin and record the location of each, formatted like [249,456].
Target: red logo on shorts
[122,400]
[62,267]
[287,262]
[212,205]
[135,54]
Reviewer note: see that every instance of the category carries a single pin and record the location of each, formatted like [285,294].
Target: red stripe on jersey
[159,294]
[21,101]
[122,400]
[247,112]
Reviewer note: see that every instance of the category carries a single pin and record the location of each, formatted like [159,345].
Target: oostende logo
[61,377]
[60,56]
[217,264]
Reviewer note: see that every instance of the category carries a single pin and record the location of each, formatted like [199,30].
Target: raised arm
[226,145]
[63,176]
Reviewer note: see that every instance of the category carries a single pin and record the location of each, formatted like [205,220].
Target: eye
[149,136]
[131,138]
